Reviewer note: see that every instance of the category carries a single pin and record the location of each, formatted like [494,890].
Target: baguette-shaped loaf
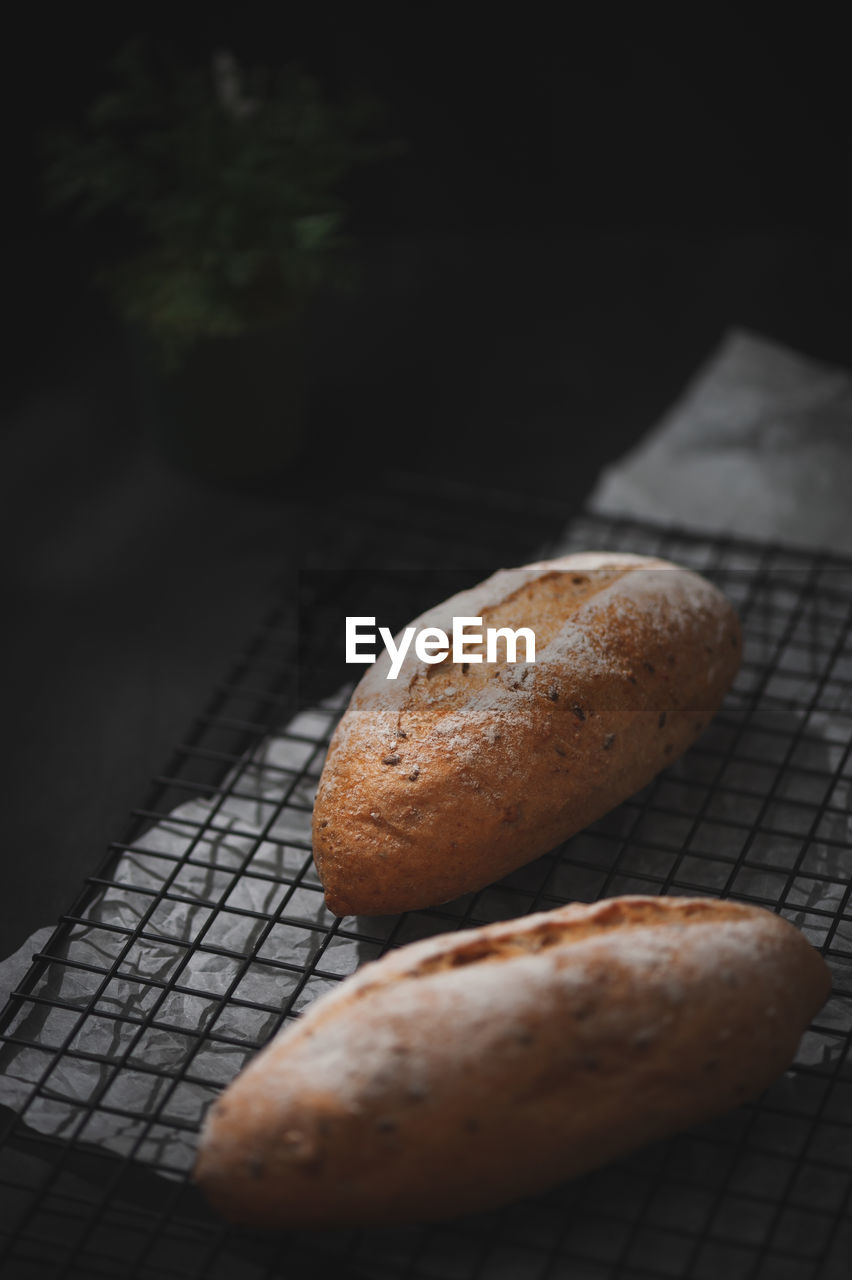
[452,775]
[465,1071]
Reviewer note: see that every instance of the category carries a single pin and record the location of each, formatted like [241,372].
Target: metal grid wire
[205,930]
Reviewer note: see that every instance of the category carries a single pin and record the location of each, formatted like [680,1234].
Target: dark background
[587,203]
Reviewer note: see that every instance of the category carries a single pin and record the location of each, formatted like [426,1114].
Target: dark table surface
[521,362]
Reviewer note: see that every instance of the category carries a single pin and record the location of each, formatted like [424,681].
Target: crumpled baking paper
[759,445]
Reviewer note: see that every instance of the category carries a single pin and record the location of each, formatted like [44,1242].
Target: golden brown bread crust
[461,1072]
[449,777]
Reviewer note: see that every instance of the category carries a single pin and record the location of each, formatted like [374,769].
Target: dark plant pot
[234,410]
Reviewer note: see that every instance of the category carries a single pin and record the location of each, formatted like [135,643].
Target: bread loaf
[448,777]
[459,1073]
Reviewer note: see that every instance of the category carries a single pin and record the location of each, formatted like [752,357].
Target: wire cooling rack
[205,930]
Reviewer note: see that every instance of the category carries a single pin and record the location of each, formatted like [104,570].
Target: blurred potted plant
[229,183]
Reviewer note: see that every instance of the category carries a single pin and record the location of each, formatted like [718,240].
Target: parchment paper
[759,444]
